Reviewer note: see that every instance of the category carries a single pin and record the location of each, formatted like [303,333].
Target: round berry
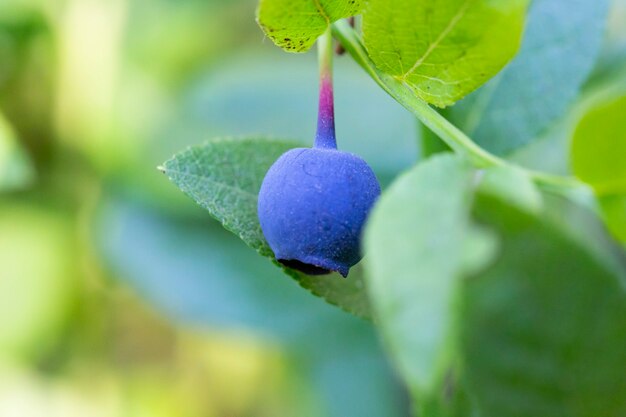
[312,206]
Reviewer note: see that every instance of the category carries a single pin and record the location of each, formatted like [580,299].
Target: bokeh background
[118,295]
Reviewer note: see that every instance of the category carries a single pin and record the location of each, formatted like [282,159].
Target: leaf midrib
[453,22]
[321,10]
[212,181]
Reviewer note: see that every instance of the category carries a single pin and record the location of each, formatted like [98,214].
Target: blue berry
[312,206]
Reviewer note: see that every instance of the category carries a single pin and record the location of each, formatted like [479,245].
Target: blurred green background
[118,295]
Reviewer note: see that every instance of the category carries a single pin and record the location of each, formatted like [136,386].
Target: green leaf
[16,170]
[614,214]
[414,243]
[505,339]
[443,49]
[296,25]
[37,279]
[349,294]
[561,43]
[513,185]
[224,176]
[543,325]
[599,148]
[597,157]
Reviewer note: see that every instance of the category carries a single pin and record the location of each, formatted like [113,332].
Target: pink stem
[325,137]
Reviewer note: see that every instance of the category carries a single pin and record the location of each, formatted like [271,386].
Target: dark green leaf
[224,176]
[543,324]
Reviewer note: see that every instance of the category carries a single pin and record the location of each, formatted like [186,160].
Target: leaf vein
[453,22]
[321,10]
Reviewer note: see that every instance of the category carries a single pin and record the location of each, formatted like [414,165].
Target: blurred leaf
[280,98]
[599,148]
[89,48]
[36,282]
[16,170]
[201,276]
[597,157]
[415,241]
[614,213]
[541,323]
[443,50]
[296,25]
[561,43]
[358,372]
[577,217]
[512,185]
[194,34]
[224,176]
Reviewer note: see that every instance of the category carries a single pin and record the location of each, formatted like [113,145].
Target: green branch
[450,134]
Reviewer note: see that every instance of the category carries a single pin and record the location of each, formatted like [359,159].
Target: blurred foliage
[119,296]
[598,148]
[38,281]
[16,170]
[517,106]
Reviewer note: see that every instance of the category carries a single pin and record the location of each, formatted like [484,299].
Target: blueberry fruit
[314,202]
[312,207]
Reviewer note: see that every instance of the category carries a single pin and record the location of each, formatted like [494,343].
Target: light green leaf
[443,49]
[543,325]
[513,185]
[597,157]
[598,154]
[296,25]
[16,170]
[561,43]
[614,214]
[37,279]
[414,243]
[224,176]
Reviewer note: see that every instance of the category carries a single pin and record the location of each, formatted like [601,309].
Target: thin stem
[450,134]
[325,137]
